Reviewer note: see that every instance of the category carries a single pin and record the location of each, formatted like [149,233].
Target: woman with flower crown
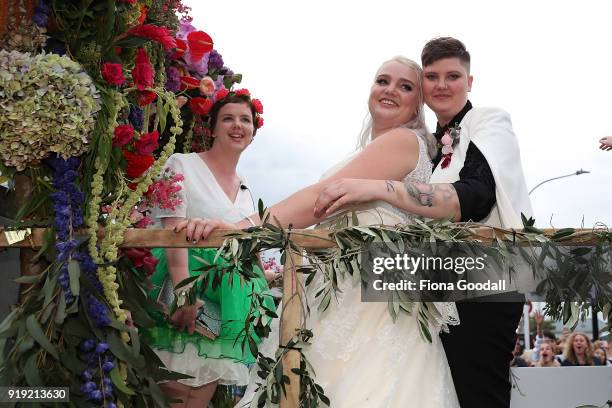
[361,357]
[211,187]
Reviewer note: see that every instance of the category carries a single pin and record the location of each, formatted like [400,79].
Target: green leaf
[119,383]
[70,360]
[162,114]
[27,279]
[37,334]
[74,272]
[132,42]
[30,370]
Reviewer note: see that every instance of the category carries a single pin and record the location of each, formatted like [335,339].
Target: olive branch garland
[556,266]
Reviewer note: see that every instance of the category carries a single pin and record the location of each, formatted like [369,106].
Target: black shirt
[476,185]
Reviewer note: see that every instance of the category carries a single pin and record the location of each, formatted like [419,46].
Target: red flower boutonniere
[449,141]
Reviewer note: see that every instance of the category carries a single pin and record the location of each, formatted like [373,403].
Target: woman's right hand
[342,192]
[184,317]
[606,143]
[201,228]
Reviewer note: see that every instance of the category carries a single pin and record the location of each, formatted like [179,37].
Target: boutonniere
[449,141]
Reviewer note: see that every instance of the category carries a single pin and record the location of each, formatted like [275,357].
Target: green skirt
[234,303]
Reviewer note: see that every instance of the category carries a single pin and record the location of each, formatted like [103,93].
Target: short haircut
[445,47]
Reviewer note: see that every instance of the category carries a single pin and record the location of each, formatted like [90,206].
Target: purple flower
[99,313]
[86,375]
[215,60]
[108,366]
[136,117]
[95,395]
[101,348]
[219,82]
[199,67]
[108,390]
[111,404]
[40,19]
[41,14]
[89,386]
[88,345]
[173,79]
[107,381]
[184,29]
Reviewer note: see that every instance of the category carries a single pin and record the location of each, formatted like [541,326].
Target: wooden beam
[159,238]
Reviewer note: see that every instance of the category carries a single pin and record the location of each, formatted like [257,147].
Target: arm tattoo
[390,186]
[421,193]
[424,193]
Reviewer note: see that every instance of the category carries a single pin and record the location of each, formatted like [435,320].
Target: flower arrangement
[49,106]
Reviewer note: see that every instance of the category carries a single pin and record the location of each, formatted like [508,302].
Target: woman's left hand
[342,192]
[201,228]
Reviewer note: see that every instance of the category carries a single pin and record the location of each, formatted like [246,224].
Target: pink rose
[207,86]
[147,143]
[446,139]
[446,149]
[181,101]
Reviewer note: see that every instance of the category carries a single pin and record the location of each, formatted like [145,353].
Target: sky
[311,63]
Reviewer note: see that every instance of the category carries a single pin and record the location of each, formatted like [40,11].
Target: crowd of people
[567,350]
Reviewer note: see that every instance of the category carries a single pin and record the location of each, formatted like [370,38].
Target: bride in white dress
[361,357]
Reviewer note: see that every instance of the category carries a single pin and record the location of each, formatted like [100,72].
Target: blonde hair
[569,349]
[417,124]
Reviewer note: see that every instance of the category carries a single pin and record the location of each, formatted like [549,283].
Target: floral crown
[255,103]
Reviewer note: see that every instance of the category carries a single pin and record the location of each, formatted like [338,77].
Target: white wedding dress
[361,357]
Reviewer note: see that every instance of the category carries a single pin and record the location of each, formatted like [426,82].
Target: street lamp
[576,173]
[525,309]
[593,313]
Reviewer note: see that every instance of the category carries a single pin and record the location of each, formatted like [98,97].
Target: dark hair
[445,47]
[233,98]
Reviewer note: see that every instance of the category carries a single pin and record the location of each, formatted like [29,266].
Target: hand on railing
[200,228]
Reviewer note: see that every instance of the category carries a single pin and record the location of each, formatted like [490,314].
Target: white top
[201,194]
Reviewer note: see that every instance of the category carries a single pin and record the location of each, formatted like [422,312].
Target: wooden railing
[291,318]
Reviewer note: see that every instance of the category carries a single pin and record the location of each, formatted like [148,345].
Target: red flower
[200,106]
[152,32]
[112,73]
[188,82]
[257,105]
[260,122]
[446,158]
[142,257]
[147,143]
[150,263]
[221,93]
[122,135]
[181,47]
[199,44]
[146,97]
[136,164]
[143,71]
[243,91]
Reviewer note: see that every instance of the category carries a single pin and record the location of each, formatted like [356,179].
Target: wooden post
[291,321]
[23,193]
